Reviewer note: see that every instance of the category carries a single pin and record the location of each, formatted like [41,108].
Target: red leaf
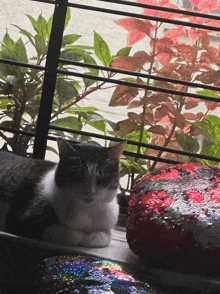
[164,58]
[210,4]
[195,2]
[134,103]
[161,112]
[205,40]
[212,105]
[191,104]
[157,130]
[123,95]
[132,63]
[125,63]
[193,35]
[189,116]
[134,37]
[199,116]
[164,42]
[163,51]
[176,33]
[138,29]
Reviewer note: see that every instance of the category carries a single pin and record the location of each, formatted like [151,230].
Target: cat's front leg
[62,235]
[96,239]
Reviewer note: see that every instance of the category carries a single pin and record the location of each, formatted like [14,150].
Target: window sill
[117,250]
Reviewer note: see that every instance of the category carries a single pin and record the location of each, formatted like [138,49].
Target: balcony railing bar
[120,82]
[150,146]
[22,64]
[104,68]
[136,74]
[161,8]
[141,16]
[110,80]
[104,137]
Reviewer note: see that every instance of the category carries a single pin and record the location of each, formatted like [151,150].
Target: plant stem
[146,91]
[167,141]
[86,93]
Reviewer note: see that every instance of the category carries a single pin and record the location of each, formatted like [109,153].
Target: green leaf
[65,90]
[4,102]
[68,17]
[26,33]
[92,71]
[32,20]
[7,40]
[97,121]
[213,119]
[135,136]
[207,92]
[70,39]
[68,122]
[20,52]
[49,26]
[128,166]
[213,130]
[40,45]
[83,111]
[102,50]
[40,25]
[123,52]
[188,143]
[72,53]
[213,150]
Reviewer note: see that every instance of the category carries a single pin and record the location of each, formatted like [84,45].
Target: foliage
[20,87]
[168,120]
[181,53]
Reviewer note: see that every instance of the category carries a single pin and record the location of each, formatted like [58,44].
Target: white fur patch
[81,224]
[47,186]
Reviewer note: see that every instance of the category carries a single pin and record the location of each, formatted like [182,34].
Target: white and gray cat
[71,203]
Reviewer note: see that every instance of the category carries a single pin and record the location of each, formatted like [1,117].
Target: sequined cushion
[174,218]
[83,274]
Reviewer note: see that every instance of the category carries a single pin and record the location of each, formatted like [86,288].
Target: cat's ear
[115,152]
[65,149]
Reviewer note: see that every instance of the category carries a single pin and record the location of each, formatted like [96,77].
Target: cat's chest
[101,216]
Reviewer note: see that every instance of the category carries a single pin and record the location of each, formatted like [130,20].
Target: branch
[77,100]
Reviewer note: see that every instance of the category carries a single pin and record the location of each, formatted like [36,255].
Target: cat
[72,202]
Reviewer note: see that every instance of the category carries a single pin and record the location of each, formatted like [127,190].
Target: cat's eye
[104,180]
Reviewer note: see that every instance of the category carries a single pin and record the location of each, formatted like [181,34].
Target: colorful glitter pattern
[80,274]
[174,218]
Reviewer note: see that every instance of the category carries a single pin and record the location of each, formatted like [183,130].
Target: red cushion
[174,218]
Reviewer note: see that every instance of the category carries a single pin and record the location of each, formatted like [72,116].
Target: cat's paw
[96,239]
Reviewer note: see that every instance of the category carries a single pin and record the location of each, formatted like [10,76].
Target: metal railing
[51,70]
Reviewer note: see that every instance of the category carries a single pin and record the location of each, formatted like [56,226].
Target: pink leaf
[164,58]
[195,2]
[147,11]
[149,2]
[176,33]
[132,63]
[125,63]
[193,35]
[210,4]
[134,37]
[138,29]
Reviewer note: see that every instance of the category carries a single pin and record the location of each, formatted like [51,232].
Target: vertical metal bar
[50,75]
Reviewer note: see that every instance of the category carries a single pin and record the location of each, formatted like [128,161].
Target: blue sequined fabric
[87,275]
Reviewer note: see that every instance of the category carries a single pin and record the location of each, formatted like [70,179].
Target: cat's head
[88,172]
